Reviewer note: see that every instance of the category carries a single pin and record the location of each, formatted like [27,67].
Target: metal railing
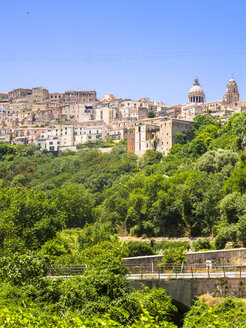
[66,270]
[168,271]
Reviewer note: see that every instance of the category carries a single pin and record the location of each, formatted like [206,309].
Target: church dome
[196,89]
[196,93]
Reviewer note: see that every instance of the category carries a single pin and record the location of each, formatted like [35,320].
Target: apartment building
[155,134]
[168,129]
[80,97]
[19,93]
[79,112]
[4,97]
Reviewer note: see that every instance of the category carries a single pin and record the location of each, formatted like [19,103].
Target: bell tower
[231,94]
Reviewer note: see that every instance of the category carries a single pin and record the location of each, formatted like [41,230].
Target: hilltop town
[59,121]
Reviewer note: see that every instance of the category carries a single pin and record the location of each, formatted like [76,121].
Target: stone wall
[220,258]
[185,291]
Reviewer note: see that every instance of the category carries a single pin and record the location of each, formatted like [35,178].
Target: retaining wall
[220,257]
[185,291]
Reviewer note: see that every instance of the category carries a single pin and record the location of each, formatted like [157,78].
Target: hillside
[70,209]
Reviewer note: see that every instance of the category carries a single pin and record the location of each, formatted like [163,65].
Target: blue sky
[131,48]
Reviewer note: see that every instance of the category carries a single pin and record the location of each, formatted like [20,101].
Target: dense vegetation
[69,208]
[197,190]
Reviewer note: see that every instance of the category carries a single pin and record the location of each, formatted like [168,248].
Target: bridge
[217,272]
[184,283]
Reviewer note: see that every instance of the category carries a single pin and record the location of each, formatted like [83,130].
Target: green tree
[180,138]
[151,114]
[241,226]
[76,202]
[201,243]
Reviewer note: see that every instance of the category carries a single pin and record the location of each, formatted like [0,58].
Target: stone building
[231,95]
[80,97]
[84,133]
[230,101]
[145,137]
[190,110]
[155,134]
[168,129]
[78,112]
[105,113]
[39,94]
[14,110]
[172,111]
[19,93]
[4,97]
[56,97]
[131,140]
[135,108]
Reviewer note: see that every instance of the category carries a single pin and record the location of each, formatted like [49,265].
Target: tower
[231,94]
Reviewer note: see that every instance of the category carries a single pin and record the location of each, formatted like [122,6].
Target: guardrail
[181,271]
[159,272]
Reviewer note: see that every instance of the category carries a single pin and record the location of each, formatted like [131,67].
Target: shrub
[94,234]
[138,248]
[201,243]
[172,256]
[242,230]
[164,244]
[220,241]
[21,269]
[227,233]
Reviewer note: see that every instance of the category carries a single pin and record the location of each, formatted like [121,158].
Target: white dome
[196,89]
